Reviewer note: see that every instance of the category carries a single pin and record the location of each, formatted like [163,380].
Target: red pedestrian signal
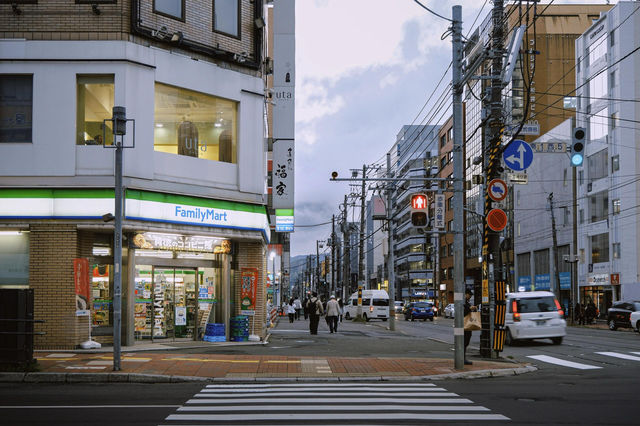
[419,216]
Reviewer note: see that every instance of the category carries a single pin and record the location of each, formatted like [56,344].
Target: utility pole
[574,270]
[346,235]
[491,243]
[458,177]
[390,260]
[333,254]
[317,264]
[556,271]
[361,280]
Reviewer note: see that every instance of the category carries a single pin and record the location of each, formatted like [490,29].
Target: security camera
[477,161]
[334,175]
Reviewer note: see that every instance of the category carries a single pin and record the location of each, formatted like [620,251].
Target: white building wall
[54,159]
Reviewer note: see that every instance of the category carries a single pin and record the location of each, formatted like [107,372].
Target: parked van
[534,315]
[375,304]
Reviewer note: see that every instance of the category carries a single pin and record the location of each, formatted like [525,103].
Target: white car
[449,311]
[635,320]
[398,306]
[534,315]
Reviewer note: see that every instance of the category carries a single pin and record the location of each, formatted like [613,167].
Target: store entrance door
[175,306]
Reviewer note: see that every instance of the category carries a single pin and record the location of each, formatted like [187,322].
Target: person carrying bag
[471,322]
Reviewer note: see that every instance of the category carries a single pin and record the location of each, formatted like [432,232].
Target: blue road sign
[518,156]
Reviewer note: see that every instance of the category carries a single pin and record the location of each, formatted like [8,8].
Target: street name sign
[518,178]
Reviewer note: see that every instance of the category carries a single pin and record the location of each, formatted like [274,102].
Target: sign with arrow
[518,155]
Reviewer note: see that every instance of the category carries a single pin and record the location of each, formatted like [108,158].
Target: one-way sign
[518,155]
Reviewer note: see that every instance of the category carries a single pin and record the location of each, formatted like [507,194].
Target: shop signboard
[598,279]
[524,283]
[565,280]
[542,282]
[177,242]
[81,279]
[284,220]
[249,279]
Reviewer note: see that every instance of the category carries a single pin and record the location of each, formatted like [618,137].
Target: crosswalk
[328,403]
[587,362]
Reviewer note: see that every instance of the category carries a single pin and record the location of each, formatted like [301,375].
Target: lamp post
[119,128]
[272,256]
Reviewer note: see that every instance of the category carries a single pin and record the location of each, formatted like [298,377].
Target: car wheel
[406,318]
[347,316]
[557,340]
[612,325]
[508,340]
[412,319]
[430,319]
[364,316]
[638,326]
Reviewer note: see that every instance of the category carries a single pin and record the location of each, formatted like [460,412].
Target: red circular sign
[497,220]
[497,189]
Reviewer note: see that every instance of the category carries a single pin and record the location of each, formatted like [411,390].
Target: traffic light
[419,210]
[577,146]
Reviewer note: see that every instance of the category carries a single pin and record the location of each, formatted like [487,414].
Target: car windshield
[380,302]
[537,304]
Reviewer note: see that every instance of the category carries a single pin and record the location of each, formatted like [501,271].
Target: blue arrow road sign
[518,156]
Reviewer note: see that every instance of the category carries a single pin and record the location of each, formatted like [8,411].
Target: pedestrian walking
[333,312]
[341,303]
[467,333]
[591,312]
[291,310]
[315,310]
[306,306]
[297,304]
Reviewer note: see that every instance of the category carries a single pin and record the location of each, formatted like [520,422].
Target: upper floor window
[170,8]
[597,165]
[226,17]
[194,124]
[94,104]
[16,104]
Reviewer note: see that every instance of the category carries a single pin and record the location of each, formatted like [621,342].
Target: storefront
[602,289]
[183,262]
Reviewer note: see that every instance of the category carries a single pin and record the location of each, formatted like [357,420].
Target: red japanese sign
[81,280]
[249,286]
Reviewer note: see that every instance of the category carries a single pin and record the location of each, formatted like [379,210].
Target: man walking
[315,310]
[333,311]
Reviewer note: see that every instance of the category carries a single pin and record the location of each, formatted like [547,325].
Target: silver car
[449,311]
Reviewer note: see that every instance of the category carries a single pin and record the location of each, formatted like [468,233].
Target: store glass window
[102,295]
[597,49]
[194,124]
[16,104]
[226,18]
[599,206]
[170,8]
[600,248]
[597,165]
[14,259]
[95,99]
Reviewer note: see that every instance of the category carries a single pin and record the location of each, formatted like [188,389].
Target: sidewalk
[152,363]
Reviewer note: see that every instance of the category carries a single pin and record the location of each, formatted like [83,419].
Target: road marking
[315,385]
[78,367]
[622,356]
[562,362]
[637,353]
[342,400]
[335,416]
[60,356]
[342,409]
[241,361]
[277,361]
[99,362]
[326,388]
[83,407]
[223,395]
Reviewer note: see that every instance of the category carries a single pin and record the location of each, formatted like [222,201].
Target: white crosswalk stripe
[331,403]
[621,356]
[563,362]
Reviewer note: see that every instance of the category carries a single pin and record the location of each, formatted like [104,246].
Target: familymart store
[184,262]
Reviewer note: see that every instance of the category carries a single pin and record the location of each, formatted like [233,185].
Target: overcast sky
[364,69]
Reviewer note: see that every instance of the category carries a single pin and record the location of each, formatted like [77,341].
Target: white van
[534,315]
[375,304]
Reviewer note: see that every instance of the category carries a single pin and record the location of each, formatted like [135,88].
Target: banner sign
[283,174]
[81,280]
[249,279]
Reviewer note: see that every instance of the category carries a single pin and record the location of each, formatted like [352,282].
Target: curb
[157,378]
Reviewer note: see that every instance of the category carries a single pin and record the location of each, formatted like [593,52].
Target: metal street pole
[390,259]
[361,281]
[458,177]
[117,259]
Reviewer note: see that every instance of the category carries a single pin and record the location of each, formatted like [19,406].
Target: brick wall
[66,20]
[52,250]
[253,255]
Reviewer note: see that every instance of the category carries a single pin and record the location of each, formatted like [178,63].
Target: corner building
[195,224]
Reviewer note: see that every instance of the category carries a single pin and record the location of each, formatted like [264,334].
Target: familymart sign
[139,205]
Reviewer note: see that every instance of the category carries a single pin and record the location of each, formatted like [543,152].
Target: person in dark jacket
[467,333]
[315,310]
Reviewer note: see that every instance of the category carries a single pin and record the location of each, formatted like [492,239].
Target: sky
[364,68]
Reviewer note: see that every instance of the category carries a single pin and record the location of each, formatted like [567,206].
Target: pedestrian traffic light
[577,146]
[419,210]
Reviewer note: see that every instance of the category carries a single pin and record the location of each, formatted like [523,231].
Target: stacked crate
[239,328]
[214,333]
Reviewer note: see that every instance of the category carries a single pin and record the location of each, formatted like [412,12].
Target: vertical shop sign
[158,308]
[284,81]
[249,277]
[81,279]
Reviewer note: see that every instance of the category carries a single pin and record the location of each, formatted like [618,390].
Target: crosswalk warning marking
[562,362]
[621,356]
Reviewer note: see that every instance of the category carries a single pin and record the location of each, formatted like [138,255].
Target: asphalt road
[601,387]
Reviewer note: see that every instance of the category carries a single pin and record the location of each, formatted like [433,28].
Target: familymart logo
[200,214]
